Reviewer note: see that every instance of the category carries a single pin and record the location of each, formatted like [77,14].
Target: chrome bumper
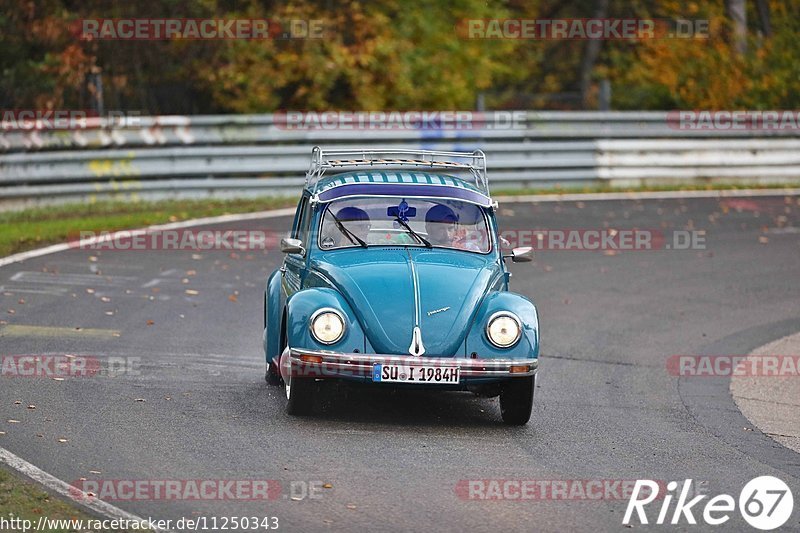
[323,363]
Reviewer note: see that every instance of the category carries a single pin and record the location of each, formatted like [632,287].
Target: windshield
[398,221]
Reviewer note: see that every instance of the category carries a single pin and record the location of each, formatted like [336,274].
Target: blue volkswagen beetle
[394,276]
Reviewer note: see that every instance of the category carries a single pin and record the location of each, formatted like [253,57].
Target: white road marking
[22,330]
[76,265]
[54,291]
[55,248]
[69,279]
[646,195]
[788,230]
[63,489]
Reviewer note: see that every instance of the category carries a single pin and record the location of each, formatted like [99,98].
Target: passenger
[355,220]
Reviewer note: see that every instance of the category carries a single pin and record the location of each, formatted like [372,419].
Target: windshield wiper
[419,237]
[352,237]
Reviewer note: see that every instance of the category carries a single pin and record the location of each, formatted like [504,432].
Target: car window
[382,222]
[300,228]
[305,221]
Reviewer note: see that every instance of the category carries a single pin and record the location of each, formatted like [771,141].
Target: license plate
[415,374]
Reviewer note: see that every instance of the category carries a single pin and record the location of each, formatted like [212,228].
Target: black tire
[300,392]
[516,400]
[273,377]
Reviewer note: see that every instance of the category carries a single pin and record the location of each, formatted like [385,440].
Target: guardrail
[240,155]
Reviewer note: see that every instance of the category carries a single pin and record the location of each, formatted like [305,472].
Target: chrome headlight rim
[320,312]
[501,314]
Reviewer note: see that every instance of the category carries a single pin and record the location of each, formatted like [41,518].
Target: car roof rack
[472,162]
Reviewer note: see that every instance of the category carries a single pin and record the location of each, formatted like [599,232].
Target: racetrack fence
[251,155]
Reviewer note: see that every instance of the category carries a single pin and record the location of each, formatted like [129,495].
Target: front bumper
[323,363]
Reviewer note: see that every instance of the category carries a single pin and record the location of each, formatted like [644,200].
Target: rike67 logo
[765,503]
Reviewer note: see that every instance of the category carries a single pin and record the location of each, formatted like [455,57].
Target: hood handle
[417,348]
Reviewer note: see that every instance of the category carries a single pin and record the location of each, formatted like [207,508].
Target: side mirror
[521,255]
[292,246]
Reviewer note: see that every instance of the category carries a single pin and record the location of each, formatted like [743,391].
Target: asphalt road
[606,407]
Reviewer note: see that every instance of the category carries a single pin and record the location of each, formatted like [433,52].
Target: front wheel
[299,391]
[516,400]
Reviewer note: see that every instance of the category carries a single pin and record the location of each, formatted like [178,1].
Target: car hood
[379,285]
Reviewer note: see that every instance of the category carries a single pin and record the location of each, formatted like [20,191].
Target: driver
[442,226]
[440,223]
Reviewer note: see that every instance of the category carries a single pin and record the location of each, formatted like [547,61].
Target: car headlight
[503,329]
[327,325]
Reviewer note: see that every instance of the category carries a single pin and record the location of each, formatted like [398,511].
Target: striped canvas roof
[394,177]
[394,183]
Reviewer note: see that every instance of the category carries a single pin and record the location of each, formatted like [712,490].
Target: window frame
[486,220]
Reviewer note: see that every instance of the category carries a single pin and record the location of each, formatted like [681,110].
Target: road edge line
[55,248]
[70,492]
[648,195]
[49,481]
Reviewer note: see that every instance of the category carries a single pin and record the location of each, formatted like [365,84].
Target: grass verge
[40,226]
[24,500]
